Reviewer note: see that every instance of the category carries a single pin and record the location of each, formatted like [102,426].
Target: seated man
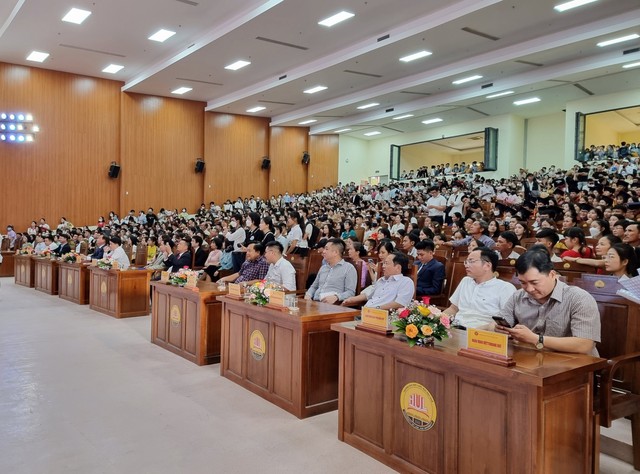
[480,295]
[117,253]
[336,280]
[101,244]
[182,259]
[409,242]
[63,245]
[477,231]
[391,291]
[547,312]
[549,238]
[505,243]
[431,272]
[254,268]
[280,269]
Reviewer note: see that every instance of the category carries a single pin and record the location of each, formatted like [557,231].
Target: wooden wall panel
[161,140]
[233,148]
[288,174]
[64,172]
[323,169]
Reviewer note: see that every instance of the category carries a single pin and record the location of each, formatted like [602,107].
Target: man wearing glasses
[480,295]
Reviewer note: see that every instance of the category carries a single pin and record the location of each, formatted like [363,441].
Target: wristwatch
[540,343]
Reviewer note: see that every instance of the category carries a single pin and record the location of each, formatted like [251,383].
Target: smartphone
[371,261]
[501,321]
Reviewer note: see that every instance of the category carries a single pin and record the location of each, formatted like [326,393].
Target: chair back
[301,266]
[572,270]
[141,255]
[360,233]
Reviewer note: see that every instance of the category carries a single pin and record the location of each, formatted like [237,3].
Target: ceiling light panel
[400,117]
[499,94]
[414,56]
[371,134]
[237,65]
[315,89]
[527,101]
[76,15]
[622,39]
[430,121]
[335,19]
[342,130]
[113,68]
[307,122]
[255,109]
[368,106]
[627,66]
[37,56]
[162,35]
[572,4]
[466,79]
[182,90]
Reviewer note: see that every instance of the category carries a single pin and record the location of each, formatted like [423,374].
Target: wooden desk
[289,360]
[7,265]
[46,275]
[536,417]
[73,282]
[120,294]
[25,270]
[187,322]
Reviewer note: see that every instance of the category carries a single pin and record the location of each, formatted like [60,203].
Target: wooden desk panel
[536,417]
[186,322]
[24,270]
[73,284]
[121,294]
[7,266]
[46,275]
[298,370]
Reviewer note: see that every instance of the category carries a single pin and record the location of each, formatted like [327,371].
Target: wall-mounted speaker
[266,163]
[199,165]
[114,170]
[306,158]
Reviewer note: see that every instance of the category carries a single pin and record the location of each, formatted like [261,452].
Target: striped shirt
[340,279]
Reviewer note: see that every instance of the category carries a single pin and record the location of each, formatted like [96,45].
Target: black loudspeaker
[114,171]
[199,166]
[266,163]
[306,158]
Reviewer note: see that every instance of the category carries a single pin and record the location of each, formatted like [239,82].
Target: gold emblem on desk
[599,284]
[566,266]
[418,406]
[257,345]
[103,287]
[175,316]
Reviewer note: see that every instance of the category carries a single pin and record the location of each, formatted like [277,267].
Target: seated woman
[348,230]
[475,244]
[602,247]
[599,228]
[356,253]
[385,247]
[212,264]
[576,243]
[621,261]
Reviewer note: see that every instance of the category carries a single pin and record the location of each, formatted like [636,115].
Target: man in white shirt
[117,253]
[455,201]
[480,295]
[436,205]
[486,192]
[397,225]
[280,269]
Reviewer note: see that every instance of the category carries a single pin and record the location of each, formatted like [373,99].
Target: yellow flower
[424,311]
[411,330]
[427,330]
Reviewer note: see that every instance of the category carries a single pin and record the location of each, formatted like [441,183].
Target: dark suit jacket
[178,261]
[430,278]
[200,258]
[98,253]
[62,249]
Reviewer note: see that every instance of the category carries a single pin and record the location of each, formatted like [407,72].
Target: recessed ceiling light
[76,16]
[400,117]
[627,66]
[343,130]
[237,65]
[368,106]
[335,19]
[315,89]
[527,101]
[499,94]
[182,90]
[572,4]
[113,68]
[622,39]
[414,56]
[430,121]
[37,56]
[162,35]
[371,134]
[307,122]
[256,109]
[466,79]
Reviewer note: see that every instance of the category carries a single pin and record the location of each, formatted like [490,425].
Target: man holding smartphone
[548,313]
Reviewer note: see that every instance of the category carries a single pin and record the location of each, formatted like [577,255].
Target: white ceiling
[534,51]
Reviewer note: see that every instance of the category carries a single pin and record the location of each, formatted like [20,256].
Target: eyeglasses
[471,262]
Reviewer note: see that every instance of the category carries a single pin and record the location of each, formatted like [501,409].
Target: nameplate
[375,320]
[115,265]
[164,277]
[277,298]
[488,341]
[192,281]
[235,290]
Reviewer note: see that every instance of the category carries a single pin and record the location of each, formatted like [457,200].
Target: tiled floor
[81,392]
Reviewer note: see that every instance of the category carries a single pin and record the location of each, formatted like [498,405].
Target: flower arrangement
[45,253]
[104,263]
[259,292]
[180,277]
[26,249]
[421,324]
[71,257]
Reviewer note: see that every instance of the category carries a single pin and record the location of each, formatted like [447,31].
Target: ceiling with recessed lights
[416,60]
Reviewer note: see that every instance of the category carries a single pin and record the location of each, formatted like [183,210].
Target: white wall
[545,141]
[360,159]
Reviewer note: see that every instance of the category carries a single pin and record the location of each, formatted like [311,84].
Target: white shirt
[237,237]
[283,273]
[478,302]
[439,200]
[296,234]
[119,256]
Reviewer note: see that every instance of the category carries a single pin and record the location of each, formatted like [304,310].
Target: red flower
[404,313]
[186,267]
